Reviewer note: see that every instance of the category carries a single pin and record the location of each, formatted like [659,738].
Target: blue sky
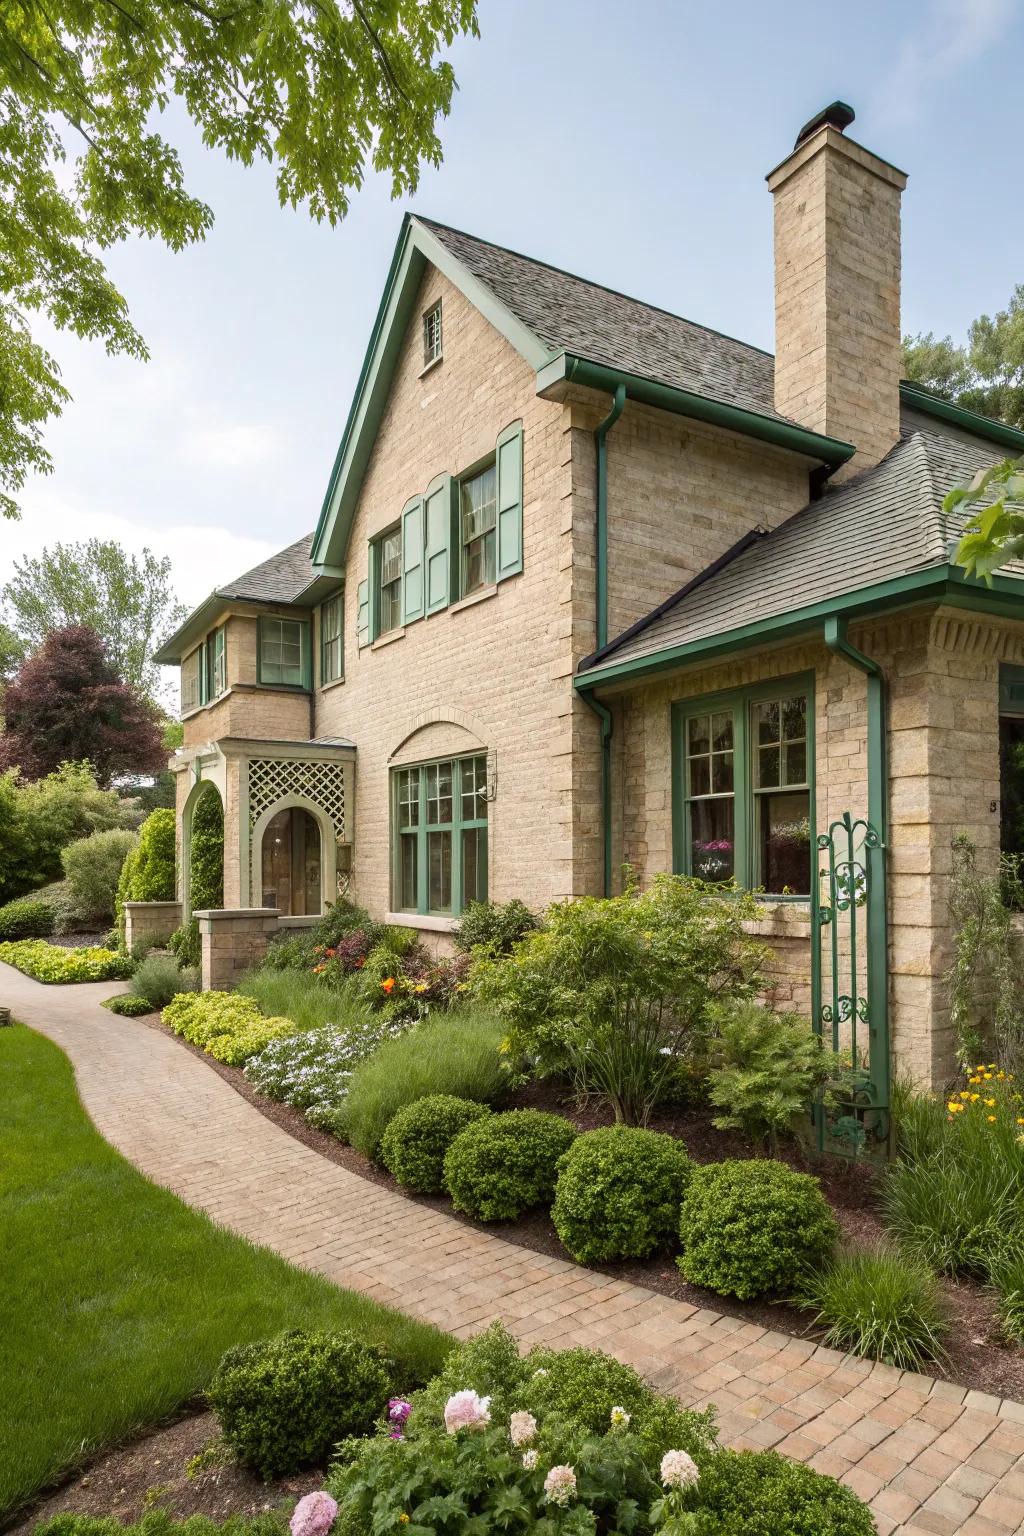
[626,143]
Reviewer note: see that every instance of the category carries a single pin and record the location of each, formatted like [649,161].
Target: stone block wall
[232,942]
[150,922]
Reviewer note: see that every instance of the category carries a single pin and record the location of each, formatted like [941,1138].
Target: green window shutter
[363,614]
[204,675]
[509,455]
[412,561]
[437,529]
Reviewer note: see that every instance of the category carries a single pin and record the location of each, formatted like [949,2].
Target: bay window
[284,651]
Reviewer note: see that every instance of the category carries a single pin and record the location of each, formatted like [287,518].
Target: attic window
[432,335]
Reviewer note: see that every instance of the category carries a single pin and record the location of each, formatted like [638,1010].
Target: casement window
[191,668]
[743,787]
[461,535]
[332,643]
[432,334]
[283,652]
[439,836]
[216,665]
[1011,760]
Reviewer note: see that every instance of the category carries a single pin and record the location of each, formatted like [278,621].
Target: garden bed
[979,1358]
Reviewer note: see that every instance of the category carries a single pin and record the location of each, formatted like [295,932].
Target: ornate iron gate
[849,984]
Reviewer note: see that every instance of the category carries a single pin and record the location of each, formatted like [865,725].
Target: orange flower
[388,984]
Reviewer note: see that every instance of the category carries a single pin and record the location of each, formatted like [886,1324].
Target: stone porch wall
[150,922]
[232,942]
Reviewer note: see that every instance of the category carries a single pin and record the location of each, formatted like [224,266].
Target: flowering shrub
[753,1228]
[618,1194]
[229,1027]
[414,1145]
[283,1403]
[51,962]
[501,1166]
[311,1069]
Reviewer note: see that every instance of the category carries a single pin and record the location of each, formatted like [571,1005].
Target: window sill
[423,921]
[429,367]
[388,639]
[473,598]
[335,682]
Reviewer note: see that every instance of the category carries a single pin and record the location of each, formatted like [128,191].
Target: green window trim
[192,669]
[215,665]
[386,582]
[706,760]
[439,838]
[332,639]
[283,653]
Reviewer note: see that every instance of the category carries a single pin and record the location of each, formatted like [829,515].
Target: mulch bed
[979,1357]
[153,1469]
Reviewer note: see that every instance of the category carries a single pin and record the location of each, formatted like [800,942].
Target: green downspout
[603,714]
[878,815]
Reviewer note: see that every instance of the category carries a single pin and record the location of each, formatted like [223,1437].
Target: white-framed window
[332,629]
[432,334]
[478,512]
[191,668]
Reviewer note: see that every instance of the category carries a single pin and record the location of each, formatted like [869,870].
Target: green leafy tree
[322,89]
[12,652]
[128,600]
[38,819]
[986,374]
[994,533]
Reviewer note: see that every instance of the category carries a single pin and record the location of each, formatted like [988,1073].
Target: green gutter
[875,859]
[682,402]
[600,438]
[604,715]
[940,583]
[959,416]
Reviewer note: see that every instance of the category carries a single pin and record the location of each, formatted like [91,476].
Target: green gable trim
[666,397]
[997,432]
[941,583]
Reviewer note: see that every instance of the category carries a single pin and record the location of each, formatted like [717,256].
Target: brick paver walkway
[928,1456]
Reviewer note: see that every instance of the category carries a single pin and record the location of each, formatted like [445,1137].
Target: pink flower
[314,1515]
[398,1410]
[678,1470]
[521,1428]
[560,1485]
[530,1460]
[466,1410]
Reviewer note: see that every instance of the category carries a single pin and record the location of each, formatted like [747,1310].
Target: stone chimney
[837,288]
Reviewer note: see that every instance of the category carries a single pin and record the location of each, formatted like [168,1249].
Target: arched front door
[291,863]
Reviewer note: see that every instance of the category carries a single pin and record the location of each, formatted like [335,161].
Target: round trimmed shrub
[127,1005]
[760,1493]
[753,1228]
[28,917]
[618,1194]
[499,1167]
[413,1147]
[284,1403]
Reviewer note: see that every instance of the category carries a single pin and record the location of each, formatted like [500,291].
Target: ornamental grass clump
[753,1228]
[159,977]
[284,1403]
[618,1194]
[880,1303]
[504,1165]
[414,1146]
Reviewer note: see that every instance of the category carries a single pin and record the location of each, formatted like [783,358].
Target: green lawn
[118,1299]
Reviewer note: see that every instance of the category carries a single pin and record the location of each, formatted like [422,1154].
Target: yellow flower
[987,1076]
[974,1079]
[954,1107]
[991,1119]
[974,1098]
[1000,1077]
[1020,1119]
[964,1094]
[403,1518]
[990,1103]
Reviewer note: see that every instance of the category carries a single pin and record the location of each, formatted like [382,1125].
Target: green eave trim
[958,416]
[941,583]
[416,246]
[666,397]
[204,618]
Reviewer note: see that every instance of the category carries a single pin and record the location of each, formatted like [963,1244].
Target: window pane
[794,719]
[190,681]
[1011,785]
[700,734]
[408,798]
[478,504]
[439,793]
[474,788]
[474,864]
[785,839]
[766,718]
[439,871]
[721,773]
[700,776]
[796,763]
[768,766]
[712,848]
[408,874]
[721,732]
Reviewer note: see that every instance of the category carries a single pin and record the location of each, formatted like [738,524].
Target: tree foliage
[66,703]
[38,819]
[128,600]
[986,374]
[321,89]
[994,533]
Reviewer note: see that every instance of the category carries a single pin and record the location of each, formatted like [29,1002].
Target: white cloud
[954,34]
[233,445]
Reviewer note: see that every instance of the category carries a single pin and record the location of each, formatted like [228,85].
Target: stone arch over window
[439,733]
[328,845]
[200,788]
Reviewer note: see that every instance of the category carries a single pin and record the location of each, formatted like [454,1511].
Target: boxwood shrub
[29,917]
[760,1493]
[499,1167]
[753,1228]
[413,1147]
[618,1194]
[284,1403]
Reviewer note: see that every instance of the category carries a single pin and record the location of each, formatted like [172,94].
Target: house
[595,586]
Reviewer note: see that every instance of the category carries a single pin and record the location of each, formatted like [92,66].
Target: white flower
[620,1418]
[530,1460]
[522,1427]
[560,1485]
[678,1470]
[541,1372]
[466,1410]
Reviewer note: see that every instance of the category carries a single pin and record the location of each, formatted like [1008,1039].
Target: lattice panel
[271,778]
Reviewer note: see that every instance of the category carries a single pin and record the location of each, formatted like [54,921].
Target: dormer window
[432,335]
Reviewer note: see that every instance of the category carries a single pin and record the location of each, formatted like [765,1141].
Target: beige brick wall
[247,709]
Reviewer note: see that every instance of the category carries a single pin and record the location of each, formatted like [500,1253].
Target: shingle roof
[885,523]
[572,315]
[277,580]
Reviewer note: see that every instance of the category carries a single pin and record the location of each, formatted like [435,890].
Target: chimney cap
[836,115]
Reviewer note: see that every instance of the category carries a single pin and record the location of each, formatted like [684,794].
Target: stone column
[150,922]
[232,942]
